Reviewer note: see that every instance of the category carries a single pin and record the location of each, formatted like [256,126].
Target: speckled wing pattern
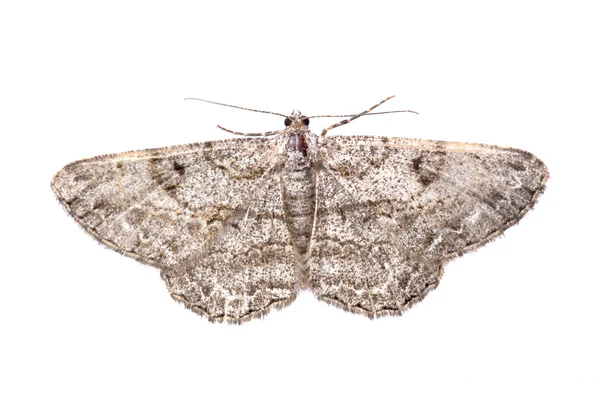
[169,205]
[388,214]
[391,212]
[247,268]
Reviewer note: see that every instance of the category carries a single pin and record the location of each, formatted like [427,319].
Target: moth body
[298,181]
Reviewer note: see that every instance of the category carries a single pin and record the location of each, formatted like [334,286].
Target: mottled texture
[238,226]
[391,212]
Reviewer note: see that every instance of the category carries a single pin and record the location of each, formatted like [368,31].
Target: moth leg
[263,134]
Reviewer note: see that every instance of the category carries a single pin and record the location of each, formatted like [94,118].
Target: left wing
[246,269]
[161,205]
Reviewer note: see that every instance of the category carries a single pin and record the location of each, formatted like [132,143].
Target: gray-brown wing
[161,205]
[247,268]
[431,200]
[356,262]
[445,198]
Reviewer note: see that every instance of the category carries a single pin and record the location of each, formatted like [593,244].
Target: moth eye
[305,121]
[287,121]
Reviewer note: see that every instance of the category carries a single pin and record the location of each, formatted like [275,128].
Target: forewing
[162,205]
[444,198]
[245,270]
[391,212]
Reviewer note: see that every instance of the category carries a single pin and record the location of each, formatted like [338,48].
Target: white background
[517,319]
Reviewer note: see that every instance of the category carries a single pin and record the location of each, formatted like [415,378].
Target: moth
[238,227]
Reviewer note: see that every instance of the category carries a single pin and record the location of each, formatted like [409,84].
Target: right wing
[357,261]
[391,212]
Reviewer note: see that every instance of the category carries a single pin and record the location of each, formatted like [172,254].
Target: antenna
[232,106]
[353,117]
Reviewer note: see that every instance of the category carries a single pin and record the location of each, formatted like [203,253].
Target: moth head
[296,120]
